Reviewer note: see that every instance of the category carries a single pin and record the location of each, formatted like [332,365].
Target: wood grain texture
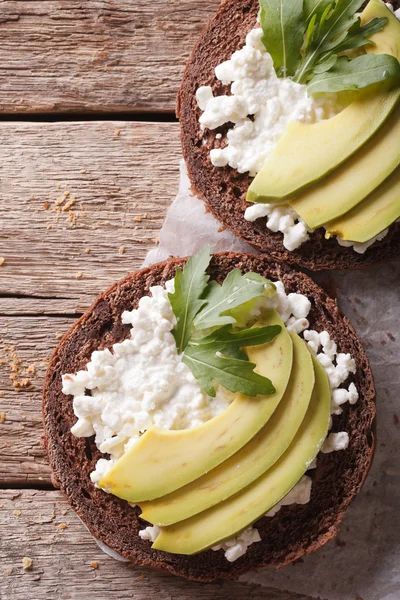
[97,55]
[25,346]
[41,526]
[122,176]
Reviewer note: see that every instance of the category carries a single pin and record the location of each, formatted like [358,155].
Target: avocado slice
[372,216]
[252,460]
[163,461]
[307,153]
[238,512]
[358,177]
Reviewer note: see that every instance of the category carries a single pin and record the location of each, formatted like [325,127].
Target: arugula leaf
[309,38]
[315,7]
[334,31]
[355,74]
[222,299]
[230,342]
[358,35]
[283,33]
[326,65]
[186,300]
[218,357]
[233,374]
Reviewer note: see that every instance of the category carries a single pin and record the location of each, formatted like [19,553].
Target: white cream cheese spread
[335,441]
[281,218]
[256,90]
[396,12]
[236,546]
[143,382]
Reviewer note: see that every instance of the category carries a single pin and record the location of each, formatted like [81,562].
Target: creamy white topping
[337,365]
[299,494]
[150,533]
[255,90]
[236,546]
[395,12]
[360,248]
[281,218]
[335,441]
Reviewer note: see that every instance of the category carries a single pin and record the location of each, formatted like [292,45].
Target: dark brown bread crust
[223,189]
[295,530]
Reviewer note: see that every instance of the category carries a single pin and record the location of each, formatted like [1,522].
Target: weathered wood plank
[98,55]
[41,526]
[25,306]
[119,176]
[25,345]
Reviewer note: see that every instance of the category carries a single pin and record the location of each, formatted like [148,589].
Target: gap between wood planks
[127,116]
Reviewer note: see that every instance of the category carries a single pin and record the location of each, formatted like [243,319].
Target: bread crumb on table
[94,564]
[18,371]
[64,204]
[68,204]
[2,417]
[137,219]
[79,275]
[122,250]
[2,260]
[62,526]
[17,513]
[27,562]
[87,250]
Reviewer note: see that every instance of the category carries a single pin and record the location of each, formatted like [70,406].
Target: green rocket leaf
[315,7]
[186,299]
[355,74]
[230,342]
[330,33]
[218,357]
[233,374]
[283,33]
[221,300]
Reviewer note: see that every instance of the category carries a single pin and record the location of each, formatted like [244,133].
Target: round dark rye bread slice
[295,530]
[223,189]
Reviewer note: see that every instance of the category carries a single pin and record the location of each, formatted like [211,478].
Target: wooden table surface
[89,164]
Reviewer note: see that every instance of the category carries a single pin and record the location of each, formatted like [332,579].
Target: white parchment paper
[364,564]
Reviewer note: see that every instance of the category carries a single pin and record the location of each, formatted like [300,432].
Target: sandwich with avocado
[290,121]
[211,415]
